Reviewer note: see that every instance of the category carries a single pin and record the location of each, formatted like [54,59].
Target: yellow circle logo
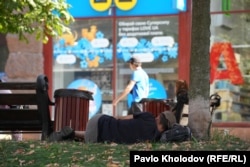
[125,4]
[100,5]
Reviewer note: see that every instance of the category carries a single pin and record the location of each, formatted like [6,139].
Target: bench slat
[18,86]
[21,126]
[18,99]
[16,119]
[21,123]
[18,115]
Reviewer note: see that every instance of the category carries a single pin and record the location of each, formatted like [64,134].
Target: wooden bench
[28,107]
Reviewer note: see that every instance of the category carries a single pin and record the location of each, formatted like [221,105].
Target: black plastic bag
[177,133]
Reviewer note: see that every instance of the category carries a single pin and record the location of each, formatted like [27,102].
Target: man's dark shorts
[135,108]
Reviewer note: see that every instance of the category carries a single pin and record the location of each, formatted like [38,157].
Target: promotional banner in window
[89,46]
[150,39]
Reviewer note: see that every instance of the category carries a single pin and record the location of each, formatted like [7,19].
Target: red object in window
[232,71]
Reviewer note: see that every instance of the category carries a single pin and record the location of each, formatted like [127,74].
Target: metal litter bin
[155,106]
[71,108]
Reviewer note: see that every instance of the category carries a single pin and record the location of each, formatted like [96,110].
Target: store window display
[232,81]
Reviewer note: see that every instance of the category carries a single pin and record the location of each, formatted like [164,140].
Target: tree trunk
[199,110]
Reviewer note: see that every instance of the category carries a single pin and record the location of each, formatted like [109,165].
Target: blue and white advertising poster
[153,40]
[91,46]
[88,46]
[85,84]
[156,91]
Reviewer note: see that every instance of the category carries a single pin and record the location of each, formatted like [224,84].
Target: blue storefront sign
[103,8]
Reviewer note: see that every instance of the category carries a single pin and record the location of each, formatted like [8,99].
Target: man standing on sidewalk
[138,86]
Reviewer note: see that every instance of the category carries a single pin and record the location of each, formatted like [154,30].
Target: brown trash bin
[155,106]
[71,108]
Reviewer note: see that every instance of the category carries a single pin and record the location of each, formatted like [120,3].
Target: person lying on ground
[138,127]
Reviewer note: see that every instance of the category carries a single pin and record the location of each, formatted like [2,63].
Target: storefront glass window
[230,66]
[84,59]
[155,41]
[229,5]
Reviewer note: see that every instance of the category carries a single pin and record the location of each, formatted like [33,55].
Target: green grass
[76,154]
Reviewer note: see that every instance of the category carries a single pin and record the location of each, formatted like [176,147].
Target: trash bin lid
[152,99]
[73,93]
